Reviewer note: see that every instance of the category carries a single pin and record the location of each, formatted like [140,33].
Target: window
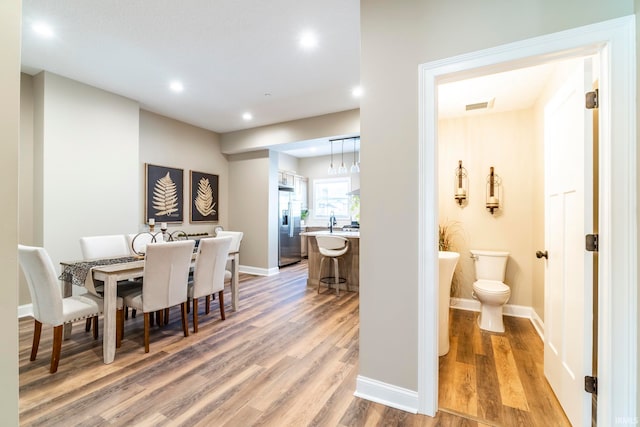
[330,195]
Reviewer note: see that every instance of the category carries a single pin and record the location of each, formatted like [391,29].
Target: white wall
[253,195]
[168,142]
[506,142]
[88,139]
[425,31]
[26,233]
[10,20]
[328,125]
[287,163]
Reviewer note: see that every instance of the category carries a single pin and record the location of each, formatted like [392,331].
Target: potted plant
[304,214]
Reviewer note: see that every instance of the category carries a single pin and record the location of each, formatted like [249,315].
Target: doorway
[509,133]
[617,226]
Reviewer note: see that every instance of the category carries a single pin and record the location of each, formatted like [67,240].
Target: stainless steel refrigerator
[289,242]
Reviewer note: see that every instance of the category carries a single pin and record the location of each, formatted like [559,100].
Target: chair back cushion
[332,246]
[166,274]
[208,275]
[235,235]
[331,242]
[104,246]
[44,286]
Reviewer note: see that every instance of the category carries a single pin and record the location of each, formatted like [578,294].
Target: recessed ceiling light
[247,116]
[176,86]
[308,40]
[42,29]
[357,91]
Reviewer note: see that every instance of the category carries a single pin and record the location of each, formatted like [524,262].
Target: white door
[568,217]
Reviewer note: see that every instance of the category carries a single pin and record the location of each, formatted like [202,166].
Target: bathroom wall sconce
[494,191]
[461,184]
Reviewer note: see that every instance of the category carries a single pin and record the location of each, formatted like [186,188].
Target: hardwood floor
[289,357]
[497,378]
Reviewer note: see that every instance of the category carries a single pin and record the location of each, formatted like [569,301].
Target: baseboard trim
[538,324]
[25,310]
[257,271]
[387,394]
[507,309]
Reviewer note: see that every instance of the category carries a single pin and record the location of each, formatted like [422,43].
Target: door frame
[614,40]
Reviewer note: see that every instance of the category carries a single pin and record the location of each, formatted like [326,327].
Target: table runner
[77,272]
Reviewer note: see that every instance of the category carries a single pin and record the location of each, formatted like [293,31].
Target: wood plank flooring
[288,357]
[497,378]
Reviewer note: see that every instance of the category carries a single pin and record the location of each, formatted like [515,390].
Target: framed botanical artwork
[204,205]
[164,195]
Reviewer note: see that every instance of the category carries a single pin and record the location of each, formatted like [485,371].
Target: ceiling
[232,57]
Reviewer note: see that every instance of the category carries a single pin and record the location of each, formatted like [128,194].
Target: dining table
[111,271]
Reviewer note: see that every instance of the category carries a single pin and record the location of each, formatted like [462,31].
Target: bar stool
[332,247]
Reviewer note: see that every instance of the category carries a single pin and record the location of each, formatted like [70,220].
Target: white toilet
[489,287]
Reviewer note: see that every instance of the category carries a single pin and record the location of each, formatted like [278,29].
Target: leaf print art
[204,200]
[165,196]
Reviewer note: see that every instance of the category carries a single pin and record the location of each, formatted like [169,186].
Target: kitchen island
[349,264]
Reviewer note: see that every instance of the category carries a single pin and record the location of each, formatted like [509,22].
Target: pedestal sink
[447,262]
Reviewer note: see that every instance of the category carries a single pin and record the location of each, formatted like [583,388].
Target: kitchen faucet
[332,222]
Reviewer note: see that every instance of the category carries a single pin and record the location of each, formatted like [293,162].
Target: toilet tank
[490,265]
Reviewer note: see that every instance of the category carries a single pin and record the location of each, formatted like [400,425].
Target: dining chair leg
[207,304]
[146,331]
[120,314]
[166,316]
[221,302]
[126,312]
[87,325]
[37,330]
[185,319]
[95,327]
[57,347]
[195,315]
[159,319]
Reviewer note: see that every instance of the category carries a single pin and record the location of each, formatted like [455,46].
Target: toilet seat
[491,287]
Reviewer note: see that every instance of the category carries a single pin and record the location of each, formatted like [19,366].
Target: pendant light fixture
[354,167]
[331,170]
[342,169]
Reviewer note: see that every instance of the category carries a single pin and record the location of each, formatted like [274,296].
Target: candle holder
[494,191]
[152,224]
[145,237]
[461,184]
[178,235]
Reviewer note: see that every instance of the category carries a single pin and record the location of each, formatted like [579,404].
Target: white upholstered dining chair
[49,307]
[236,237]
[166,274]
[108,246]
[208,274]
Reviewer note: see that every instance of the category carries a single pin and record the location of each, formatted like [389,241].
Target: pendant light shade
[343,169]
[355,168]
[331,170]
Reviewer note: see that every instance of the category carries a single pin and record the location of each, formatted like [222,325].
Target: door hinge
[591,384]
[591,242]
[591,100]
